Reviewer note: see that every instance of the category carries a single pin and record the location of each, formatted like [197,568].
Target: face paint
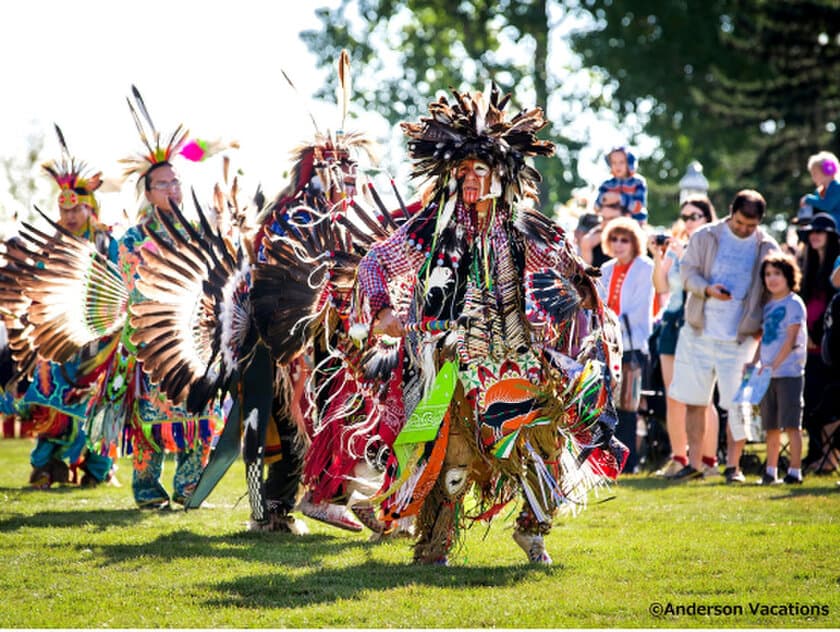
[474,176]
[338,175]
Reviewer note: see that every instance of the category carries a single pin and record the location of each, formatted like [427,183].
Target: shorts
[782,404]
[669,332]
[699,362]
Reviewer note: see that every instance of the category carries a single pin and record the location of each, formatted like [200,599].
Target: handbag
[631,376]
[652,374]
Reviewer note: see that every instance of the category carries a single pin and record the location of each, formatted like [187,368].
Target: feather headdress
[156,152]
[474,126]
[191,329]
[76,185]
[330,155]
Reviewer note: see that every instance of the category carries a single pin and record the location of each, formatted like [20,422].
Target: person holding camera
[667,251]
[723,310]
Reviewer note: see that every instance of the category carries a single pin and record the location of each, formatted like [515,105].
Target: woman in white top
[626,288]
[694,213]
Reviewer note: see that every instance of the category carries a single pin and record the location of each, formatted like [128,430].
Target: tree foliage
[747,87]
[744,86]
[22,183]
[792,106]
[411,49]
[656,54]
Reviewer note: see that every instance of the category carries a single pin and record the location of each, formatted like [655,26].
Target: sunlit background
[214,66]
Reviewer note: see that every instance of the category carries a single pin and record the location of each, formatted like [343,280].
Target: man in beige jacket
[721,274]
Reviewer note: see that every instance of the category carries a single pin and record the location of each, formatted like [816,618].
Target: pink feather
[194,150]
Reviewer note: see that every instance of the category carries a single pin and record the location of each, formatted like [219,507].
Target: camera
[661,239]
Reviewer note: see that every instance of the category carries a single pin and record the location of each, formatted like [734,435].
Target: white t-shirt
[732,268]
[675,285]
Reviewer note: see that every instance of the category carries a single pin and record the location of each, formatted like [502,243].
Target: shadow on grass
[359,582]
[60,489]
[652,483]
[306,553]
[797,492]
[102,518]
[277,548]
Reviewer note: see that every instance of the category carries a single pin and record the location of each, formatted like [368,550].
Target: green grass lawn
[87,558]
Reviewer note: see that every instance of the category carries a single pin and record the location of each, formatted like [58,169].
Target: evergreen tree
[746,86]
[791,104]
[656,57]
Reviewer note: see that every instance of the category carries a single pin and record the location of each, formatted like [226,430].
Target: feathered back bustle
[20,354]
[191,331]
[77,294]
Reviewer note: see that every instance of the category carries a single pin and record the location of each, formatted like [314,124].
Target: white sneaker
[533,545]
[297,526]
[671,468]
[733,475]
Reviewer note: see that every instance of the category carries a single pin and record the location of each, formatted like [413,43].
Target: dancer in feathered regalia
[60,396]
[156,423]
[82,295]
[250,312]
[503,359]
[269,381]
[286,284]
[329,169]
[323,179]
[319,228]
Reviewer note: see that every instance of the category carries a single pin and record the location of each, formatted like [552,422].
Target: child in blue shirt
[782,351]
[626,189]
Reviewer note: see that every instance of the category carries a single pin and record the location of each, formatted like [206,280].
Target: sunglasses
[621,240]
[165,186]
[691,217]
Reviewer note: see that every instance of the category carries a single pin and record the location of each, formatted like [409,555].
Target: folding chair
[656,446]
[831,447]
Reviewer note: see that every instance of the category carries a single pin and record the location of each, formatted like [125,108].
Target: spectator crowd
[735,330]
